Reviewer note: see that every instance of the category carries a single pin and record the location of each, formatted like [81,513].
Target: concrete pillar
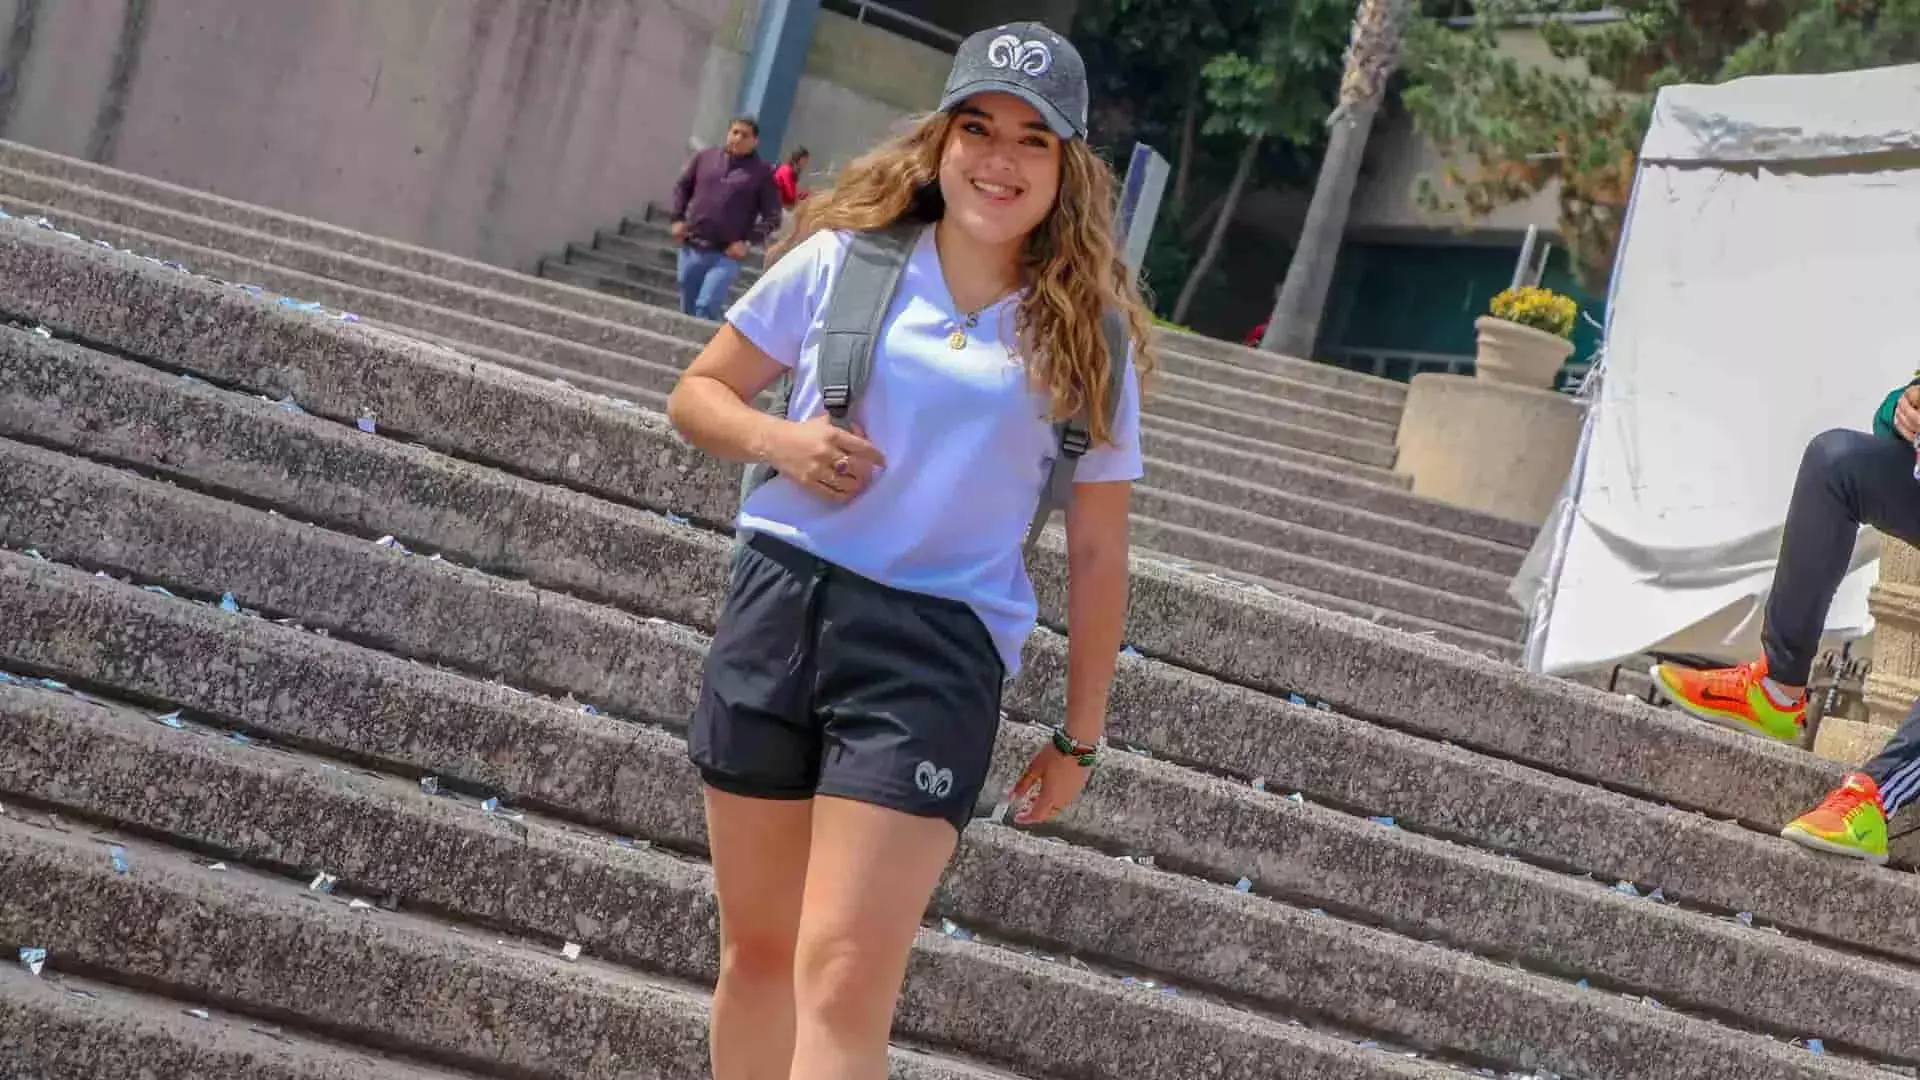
[1492,447]
[771,81]
[1895,680]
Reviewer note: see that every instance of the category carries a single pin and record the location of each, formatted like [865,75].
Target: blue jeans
[705,277]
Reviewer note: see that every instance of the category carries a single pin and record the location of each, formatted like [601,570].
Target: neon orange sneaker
[1850,821]
[1731,697]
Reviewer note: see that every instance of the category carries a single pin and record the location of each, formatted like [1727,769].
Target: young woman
[787,178]
[852,689]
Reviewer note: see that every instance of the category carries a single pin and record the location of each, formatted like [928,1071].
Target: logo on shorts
[935,782]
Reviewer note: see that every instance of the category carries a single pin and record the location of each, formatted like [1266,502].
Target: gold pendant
[957,340]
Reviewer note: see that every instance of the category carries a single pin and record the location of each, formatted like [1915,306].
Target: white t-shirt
[965,436]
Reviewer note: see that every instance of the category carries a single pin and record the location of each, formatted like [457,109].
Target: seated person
[1847,479]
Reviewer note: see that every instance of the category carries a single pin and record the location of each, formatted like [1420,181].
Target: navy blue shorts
[822,682]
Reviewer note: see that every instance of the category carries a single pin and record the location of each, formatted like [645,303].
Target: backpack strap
[856,310]
[1073,436]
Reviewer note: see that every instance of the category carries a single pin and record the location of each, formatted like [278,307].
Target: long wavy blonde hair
[1072,270]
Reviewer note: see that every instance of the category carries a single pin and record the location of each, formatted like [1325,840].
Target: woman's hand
[1050,784]
[831,462]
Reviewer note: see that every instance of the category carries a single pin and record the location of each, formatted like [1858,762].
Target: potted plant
[1526,337]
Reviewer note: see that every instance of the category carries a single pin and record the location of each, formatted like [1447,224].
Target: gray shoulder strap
[851,324]
[1074,435]
[855,310]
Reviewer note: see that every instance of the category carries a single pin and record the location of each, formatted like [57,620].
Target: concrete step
[645,272]
[588,258]
[648,257]
[1249,430]
[1231,377]
[33,178]
[1501,648]
[542,878]
[595,347]
[260,942]
[365,836]
[295,688]
[1325,503]
[1288,367]
[1285,410]
[383,976]
[207,220]
[601,280]
[651,260]
[1219,495]
[80,183]
[62,395]
[1250,458]
[653,232]
[64,1027]
[1231,529]
[1404,595]
[231,567]
[376,291]
[559,436]
[604,363]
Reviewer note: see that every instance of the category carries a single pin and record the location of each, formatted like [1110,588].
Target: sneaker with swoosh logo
[1732,697]
[1850,821]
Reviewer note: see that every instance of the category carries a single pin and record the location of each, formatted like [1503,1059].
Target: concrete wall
[861,83]
[491,128]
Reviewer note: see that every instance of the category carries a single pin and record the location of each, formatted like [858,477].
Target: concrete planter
[1518,355]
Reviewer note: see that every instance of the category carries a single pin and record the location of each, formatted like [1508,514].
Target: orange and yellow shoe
[1851,821]
[1732,697]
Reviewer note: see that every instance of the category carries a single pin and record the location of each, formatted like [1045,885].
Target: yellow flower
[1542,309]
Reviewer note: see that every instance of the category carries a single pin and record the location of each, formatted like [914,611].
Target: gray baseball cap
[1030,62]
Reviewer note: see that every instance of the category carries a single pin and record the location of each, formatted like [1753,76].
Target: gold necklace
[958,339]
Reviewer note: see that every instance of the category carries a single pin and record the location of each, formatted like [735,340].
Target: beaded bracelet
[1084,753]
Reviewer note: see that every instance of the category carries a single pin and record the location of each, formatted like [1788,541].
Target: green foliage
[1279,81]
[1249,68]
[1523,128]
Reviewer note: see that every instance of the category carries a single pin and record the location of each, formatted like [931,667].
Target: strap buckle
[837,398]
[1074,442]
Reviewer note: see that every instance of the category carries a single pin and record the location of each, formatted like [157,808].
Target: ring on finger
[842,466]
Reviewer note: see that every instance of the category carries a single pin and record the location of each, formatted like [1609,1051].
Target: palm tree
[1373,51]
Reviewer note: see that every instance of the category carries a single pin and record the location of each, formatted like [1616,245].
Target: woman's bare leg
[759,868]
[869,877]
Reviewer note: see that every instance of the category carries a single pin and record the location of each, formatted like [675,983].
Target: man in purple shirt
[725,200]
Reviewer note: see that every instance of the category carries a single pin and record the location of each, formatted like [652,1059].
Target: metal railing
[1399,363]
[907,26]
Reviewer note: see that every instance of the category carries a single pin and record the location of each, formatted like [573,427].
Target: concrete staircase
[1266,471]
[343,738]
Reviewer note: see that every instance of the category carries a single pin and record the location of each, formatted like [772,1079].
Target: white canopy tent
[1767,289]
